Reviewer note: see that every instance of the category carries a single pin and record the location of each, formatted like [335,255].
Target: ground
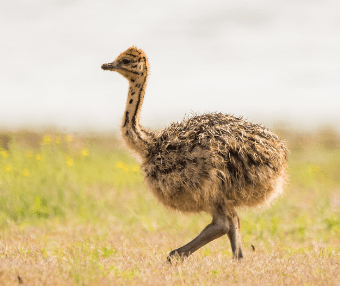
[74,211]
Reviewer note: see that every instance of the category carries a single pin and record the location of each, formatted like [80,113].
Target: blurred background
[73,206]
[274,62]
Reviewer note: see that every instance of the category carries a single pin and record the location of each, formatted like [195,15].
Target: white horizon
[267,61]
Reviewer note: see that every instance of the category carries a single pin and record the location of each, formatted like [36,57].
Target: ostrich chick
[212,162]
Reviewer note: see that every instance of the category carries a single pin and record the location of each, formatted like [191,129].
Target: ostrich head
[131,64]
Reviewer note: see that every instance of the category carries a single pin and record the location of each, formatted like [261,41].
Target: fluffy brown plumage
[212,162]
[215,159]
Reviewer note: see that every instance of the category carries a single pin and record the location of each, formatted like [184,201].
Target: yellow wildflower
[121,165]
[38,157]
[69,161]
[29,154]
[135,168]
[68,138]
[4,153]
[57,140]
[47,139]
[85,152]
[25,172]
[316,169]
[7,169]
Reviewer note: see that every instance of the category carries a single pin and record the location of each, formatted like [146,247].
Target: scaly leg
[218,227]
[235,235]
[221,224]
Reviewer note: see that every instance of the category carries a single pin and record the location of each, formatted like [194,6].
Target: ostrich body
[212,162]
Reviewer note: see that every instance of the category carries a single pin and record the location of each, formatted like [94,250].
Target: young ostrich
[212,162]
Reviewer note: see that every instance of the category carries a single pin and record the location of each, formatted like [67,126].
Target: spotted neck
[135,136]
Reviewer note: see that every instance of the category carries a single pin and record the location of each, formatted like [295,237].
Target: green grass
[74,211]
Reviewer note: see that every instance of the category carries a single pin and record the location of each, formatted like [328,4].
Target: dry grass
[88,255]
[94,223]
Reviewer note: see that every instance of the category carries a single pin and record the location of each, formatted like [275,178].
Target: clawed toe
[174,256]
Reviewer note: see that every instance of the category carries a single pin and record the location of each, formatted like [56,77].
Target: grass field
[74,211]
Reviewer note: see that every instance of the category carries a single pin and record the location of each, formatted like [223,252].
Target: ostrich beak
[110,66]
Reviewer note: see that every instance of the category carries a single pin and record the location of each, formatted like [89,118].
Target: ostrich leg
[235,235]
[221,224]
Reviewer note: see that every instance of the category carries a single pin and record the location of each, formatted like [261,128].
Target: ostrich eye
[126,61]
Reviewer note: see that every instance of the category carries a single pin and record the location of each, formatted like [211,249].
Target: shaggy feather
[214,157]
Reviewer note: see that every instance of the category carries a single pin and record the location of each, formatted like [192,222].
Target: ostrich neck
[134,135]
